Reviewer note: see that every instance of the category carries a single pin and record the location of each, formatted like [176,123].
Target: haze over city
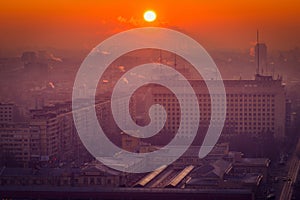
[172,120]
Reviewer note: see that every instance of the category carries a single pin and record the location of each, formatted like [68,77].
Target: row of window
[254,128]
[5,116]
[175,105]
[218,113]
[219,95]
[5,120]
[5,108]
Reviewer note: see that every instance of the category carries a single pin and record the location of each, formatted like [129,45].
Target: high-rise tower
[260,56]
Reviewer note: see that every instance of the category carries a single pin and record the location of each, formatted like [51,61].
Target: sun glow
[149,16]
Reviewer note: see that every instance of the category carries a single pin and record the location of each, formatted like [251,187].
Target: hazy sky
[82,24]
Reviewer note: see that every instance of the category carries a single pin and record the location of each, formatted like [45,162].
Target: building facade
[252,106]
[8,112]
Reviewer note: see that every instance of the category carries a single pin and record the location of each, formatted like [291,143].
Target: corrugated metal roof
[175,181]
[144,181]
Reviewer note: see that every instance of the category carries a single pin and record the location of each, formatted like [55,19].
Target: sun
[149,16]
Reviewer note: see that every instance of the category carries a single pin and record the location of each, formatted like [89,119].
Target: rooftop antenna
[257,44]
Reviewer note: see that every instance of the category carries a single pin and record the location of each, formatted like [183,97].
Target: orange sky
[82,24]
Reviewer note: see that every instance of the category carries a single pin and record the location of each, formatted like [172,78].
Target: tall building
[35,65]
[261,57]
[252,106]
[57,134]
[29,57]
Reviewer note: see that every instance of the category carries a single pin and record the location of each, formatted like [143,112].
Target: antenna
[257,45]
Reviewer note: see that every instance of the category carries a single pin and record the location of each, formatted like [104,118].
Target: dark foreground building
[123,193]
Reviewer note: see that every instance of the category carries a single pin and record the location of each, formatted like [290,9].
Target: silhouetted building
[29,57]
[36,65]
[261,58]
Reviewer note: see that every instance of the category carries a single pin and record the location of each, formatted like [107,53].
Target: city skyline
[145,99]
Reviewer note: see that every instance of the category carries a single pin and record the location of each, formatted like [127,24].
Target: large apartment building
[252,106]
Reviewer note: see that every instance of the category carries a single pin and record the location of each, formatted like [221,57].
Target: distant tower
[260,56]
[36,65]
[29,58]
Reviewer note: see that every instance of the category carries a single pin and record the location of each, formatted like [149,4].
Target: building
[8,112]
[93,174]
[252,106]
[225,175]
[95,192]
[49,135]
[261,57]
[35,67]
[57,134]
[23,144]
[15,144]
[249,165]
[29,57]
[129,143]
